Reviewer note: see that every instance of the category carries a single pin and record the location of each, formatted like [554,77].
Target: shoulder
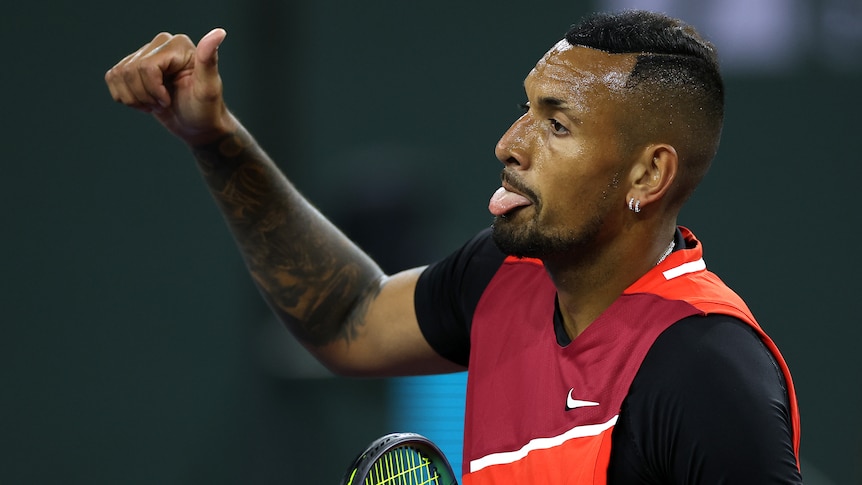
[467,269]
[710,347]
[448,291]
[708,401]
[477,251]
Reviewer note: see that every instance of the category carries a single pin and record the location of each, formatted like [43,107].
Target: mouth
[510,197]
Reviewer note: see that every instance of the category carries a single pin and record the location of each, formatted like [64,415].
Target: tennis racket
[402,459]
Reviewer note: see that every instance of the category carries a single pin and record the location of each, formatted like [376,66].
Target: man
[600,349]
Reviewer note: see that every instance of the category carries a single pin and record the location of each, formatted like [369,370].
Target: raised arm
[330,294]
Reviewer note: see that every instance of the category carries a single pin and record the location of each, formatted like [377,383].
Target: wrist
[225,145]
[225,127]
[223,149]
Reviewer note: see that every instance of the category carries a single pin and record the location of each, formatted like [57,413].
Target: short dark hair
[679,93]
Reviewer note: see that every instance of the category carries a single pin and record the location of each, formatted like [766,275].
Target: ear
[653,174]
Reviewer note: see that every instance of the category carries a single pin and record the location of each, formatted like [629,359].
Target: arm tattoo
[317,281]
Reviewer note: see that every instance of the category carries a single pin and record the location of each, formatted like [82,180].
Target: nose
[512,147]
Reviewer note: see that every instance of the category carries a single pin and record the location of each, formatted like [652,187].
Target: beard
[531,240]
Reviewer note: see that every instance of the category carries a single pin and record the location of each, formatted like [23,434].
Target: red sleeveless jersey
[539,413]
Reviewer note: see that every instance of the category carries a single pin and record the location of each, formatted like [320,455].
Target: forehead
[575,73]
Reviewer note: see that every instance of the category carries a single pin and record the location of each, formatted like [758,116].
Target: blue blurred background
[133,346]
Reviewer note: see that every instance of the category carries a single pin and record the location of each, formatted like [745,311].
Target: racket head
[403,459]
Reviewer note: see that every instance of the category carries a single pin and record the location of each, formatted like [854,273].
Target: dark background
[134,348]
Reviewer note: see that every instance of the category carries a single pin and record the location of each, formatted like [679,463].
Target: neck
[587,286]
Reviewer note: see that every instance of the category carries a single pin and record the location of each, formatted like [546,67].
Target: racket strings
[403,466]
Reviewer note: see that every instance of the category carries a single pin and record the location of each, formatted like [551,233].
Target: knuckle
[147,68]
[168,40]
[128,75]
[161,38]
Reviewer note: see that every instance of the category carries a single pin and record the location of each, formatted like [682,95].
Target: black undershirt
[707,406]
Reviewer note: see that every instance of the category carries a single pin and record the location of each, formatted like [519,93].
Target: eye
[557,128]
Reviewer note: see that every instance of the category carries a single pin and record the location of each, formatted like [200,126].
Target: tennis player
[600,348]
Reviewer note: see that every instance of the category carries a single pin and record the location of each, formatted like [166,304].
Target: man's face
[564,164]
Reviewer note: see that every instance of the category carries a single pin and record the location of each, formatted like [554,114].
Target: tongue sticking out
[503,201]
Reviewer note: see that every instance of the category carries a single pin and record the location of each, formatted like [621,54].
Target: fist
[177,82]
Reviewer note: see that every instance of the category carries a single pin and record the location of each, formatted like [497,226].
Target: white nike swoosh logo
[572,403]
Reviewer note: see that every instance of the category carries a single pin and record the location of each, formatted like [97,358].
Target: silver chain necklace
[666,252]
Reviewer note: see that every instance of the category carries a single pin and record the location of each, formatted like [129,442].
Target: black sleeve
[709,405]
[447,294]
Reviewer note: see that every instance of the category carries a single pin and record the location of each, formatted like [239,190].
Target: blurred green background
[133,346]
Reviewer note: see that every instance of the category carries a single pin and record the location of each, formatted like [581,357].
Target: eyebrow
[552,101]
[560,104]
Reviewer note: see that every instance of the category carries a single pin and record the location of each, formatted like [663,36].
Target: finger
[163,65]
[113,79]
[150,85]
[207,80]
[207,51]
[124,79]
[116,78]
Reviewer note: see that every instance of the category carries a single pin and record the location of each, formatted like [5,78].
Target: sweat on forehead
[584,68]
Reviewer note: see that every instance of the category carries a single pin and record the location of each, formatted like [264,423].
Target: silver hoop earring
[634,205]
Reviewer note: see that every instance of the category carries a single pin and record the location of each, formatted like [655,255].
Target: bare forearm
[318,282]
[313,277]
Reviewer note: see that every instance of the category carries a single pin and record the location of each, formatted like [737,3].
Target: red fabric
[520,378]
